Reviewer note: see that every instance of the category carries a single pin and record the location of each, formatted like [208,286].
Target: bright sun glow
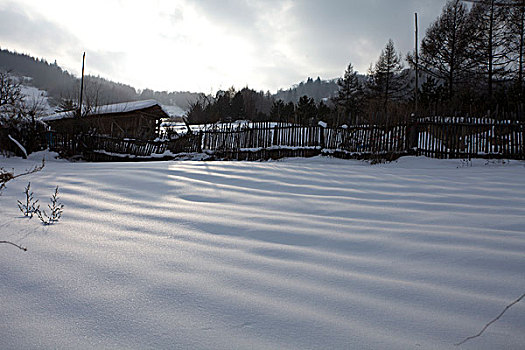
[167,44]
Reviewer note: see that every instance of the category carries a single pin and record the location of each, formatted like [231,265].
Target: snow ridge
[297,254]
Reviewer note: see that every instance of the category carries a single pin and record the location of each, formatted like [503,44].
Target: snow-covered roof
[108,109]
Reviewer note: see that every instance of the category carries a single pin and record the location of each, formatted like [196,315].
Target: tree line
[470,62]
[317,89]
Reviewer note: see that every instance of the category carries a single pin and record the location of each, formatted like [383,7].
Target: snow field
[298,254]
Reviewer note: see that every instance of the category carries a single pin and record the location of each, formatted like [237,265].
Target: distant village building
[138,120]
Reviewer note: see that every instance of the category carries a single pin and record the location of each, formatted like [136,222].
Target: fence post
[201,141]
[321,136]
[412,135]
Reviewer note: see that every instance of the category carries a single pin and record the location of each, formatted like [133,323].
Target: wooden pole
[81,87]
[417,67]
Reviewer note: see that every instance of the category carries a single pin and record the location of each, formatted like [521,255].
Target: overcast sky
[206,45]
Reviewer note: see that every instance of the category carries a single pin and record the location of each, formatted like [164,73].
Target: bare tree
[516,32]
[19,113]
[490,42]
[10,93]
[93,97]
[444,50]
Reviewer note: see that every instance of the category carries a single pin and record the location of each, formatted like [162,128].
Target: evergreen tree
[387,80]
[289,112]
[257,105]
[317,89]
[222,107]
[237,107]
[350,96]
[306,111]
[323,111]
[277,111]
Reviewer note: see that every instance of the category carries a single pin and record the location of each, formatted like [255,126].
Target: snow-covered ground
[298,254]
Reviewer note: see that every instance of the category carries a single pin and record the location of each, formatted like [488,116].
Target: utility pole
[417,66]
[79,113]
[521,45]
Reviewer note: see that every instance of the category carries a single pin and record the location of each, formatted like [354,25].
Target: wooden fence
[100,148]
[367,139]
[261,136]
[470,138]
[436,137]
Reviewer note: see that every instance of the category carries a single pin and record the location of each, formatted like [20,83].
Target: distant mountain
[39,73]
[317,89]
[60,84]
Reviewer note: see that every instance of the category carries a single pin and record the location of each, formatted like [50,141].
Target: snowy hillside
[298,254]
[34,96]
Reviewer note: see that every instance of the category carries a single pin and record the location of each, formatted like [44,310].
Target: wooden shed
[137,120]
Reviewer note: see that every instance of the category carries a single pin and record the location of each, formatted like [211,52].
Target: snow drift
[299,254]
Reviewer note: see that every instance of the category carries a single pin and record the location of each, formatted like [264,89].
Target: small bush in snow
[497,162]
[464,163]
[56,209]
[30,207]
[5,176]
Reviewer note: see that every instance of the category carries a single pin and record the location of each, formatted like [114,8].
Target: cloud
[30,32]
[167,44]
[235,13]
[106,61]
[176,16]
[318,37]
[264,29]
[330,34]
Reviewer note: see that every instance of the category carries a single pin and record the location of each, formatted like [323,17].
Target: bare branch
[35,169]
[13,244]
[491,322]
[514,3]
[6,176]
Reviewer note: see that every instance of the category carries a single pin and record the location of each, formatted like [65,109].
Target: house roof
[108,109]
